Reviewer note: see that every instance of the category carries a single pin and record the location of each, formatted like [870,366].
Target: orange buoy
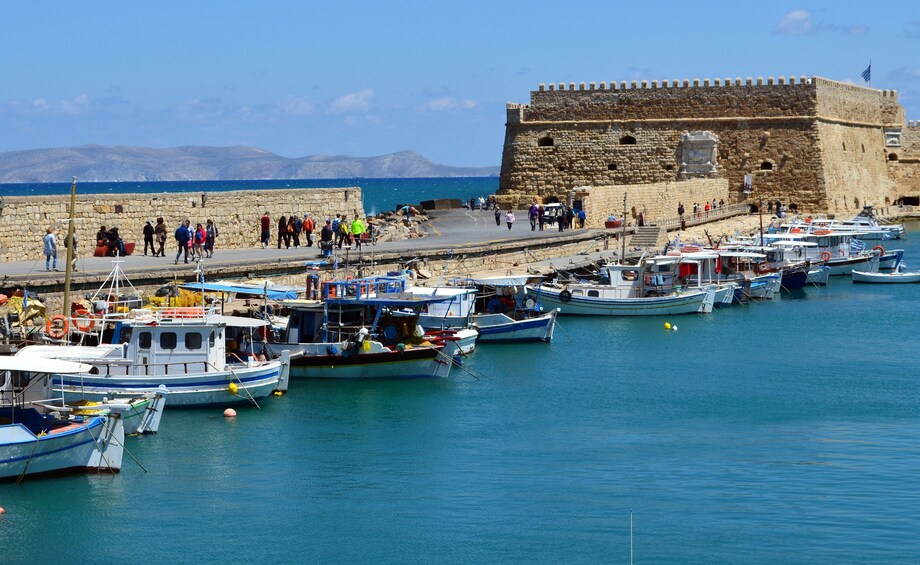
[229,413]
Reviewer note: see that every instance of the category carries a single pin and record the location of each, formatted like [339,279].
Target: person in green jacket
[357,230]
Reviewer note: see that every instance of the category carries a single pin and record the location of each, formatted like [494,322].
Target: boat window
[3,379]
[211,339]
[578,292]
[594,293]
[824,241]
[144,340]
[193,340]
[168,340]
[630,275]
[125,336]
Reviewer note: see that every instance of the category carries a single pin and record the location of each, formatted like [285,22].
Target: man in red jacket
[266,229]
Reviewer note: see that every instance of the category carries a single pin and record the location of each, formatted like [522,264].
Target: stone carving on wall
[892,137]
[698,153]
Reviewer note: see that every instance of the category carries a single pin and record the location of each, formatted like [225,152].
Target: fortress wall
[788,134]
[680,99]
[656,200]
[583,156]
[23,219]
[855,171]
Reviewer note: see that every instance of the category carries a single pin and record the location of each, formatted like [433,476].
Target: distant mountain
[100,163]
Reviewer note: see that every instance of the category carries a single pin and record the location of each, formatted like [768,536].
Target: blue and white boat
[37,437]
[496,307]
[180,352]
[365,329]
[625,293]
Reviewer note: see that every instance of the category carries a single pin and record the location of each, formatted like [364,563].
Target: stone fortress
[826,146]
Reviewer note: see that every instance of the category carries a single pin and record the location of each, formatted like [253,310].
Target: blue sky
[369,78]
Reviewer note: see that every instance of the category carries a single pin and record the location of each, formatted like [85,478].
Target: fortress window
[627,140]
[545,142]
[892,156]
[612,167]
[766,166]
[669,167]
[863,145]
[844,146]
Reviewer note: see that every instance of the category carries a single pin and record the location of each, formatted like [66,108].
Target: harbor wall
[655,200]
[24,219]
[786,134]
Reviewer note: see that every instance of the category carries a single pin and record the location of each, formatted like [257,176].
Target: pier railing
[702,217]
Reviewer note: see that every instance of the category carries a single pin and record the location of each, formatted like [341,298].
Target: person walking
[358,230]
[344,234]
[160,236]
[283,235]
[266,225]
[582,216]
[210,230]
[509,218]
[198,238]
[498,217]
[68,244]
[50,249]
[148,237]
[308,227]
[561,215]
[298,229]
[183,238]
[541,216]
[534,215]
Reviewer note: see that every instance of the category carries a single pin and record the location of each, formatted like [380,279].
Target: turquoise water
[379,194]
[776,432]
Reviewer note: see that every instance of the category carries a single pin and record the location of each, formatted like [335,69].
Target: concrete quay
[460,242]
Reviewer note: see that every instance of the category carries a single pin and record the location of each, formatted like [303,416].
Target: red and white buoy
[229,413]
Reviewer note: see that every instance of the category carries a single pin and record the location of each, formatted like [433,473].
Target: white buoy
[673,328]
[229,413]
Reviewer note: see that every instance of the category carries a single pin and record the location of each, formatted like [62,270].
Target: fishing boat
[497,307]
[365,329]
[140,414]
[38,437]
[182,350]
[625,290]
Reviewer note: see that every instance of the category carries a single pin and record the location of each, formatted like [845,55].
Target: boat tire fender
[565,296]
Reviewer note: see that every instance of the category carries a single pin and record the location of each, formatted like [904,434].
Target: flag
[867,74]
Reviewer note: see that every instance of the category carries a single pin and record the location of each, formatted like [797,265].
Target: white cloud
[40,104]
[450,103]
[355,102]
[796,22]
[296,106]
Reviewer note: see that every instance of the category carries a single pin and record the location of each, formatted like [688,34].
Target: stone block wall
[787,134]
[23,220]
[655,200]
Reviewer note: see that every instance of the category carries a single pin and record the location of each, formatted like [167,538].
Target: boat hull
[535,329]
[844,267]
[885,278]
[687,303]
[94,445]
[185,390]
[314,361]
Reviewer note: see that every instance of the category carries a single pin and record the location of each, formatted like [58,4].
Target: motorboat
[898,276]
[497,307]
[39,436]
[365,329]
[649,288]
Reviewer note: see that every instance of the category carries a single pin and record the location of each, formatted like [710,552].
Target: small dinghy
[898,276]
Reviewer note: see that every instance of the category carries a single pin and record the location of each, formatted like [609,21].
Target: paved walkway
[447,229]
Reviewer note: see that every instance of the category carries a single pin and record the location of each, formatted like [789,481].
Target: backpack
[335,225]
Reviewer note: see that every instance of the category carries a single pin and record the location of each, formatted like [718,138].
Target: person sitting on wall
[116,243]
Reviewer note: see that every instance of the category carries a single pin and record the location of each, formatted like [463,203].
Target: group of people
[483,203]
[294,230]
[197,242]
[700,209]
[565,217]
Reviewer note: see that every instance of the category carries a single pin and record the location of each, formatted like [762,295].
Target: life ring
[52,329]
[85,322]
[565,296]
[825,256]
[797,249]
[880,249]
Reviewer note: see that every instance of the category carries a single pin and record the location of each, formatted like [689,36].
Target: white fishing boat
[39,437]
[365,329]
[496,307]
[625,293]
[839,251]
[141,414]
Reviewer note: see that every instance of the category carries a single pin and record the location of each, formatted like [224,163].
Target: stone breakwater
[24,219]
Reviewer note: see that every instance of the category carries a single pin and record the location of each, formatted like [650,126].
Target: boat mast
[70,250]
[760,213]
[623,232]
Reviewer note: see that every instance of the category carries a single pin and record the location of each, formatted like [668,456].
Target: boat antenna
[70,251]
[623,234]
